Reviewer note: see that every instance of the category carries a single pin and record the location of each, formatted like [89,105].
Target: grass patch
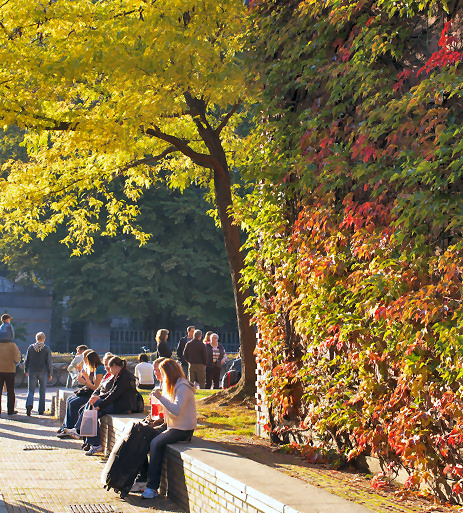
[215,421]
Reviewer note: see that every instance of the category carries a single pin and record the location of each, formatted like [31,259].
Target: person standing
[216,357]
[9,357]
[38,367]
[195,354]
[163,349]
[181,347]
[72,367]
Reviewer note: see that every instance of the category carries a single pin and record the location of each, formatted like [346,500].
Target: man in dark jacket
[181,347]
[38,367]
[195,355]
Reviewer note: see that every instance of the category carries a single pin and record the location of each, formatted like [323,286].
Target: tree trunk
[235,257]
[231,235]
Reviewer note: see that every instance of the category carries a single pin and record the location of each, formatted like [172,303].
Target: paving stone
[53,475]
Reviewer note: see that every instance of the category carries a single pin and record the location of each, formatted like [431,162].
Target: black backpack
[230,378]
[140,403]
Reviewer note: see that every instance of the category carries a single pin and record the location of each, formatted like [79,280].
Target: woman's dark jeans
[73,405]
[157,448]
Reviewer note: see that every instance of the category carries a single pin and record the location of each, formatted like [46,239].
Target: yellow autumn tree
[109,92]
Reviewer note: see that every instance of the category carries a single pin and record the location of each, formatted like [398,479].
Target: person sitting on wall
[72,367]
[178,399]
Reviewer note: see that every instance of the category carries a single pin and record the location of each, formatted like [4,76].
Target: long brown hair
[171,373]
[161,335]
[93,360]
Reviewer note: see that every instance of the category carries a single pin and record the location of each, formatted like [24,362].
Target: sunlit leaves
[360,267]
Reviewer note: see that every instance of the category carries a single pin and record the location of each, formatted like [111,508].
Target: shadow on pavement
[32,507]
[33,431]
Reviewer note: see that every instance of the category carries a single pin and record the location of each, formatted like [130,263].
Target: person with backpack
[38,367]
[9,358]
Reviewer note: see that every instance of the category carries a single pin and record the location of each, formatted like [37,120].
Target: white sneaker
[72,432]
[94,449]
[149,493]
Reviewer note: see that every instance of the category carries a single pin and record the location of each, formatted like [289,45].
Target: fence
[132,341]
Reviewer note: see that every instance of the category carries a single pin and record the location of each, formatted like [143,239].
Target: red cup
[156,408]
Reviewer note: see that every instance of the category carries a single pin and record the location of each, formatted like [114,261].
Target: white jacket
[181,413]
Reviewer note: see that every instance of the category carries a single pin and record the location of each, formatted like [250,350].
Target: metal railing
[133,341]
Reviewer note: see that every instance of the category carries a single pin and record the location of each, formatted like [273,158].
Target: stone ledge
[204,477]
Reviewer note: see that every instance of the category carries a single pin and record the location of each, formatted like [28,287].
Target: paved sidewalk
[34,478]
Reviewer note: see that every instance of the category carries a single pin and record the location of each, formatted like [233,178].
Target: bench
[204,477]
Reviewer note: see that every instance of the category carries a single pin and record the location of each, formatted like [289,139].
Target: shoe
[94,449]
[86,447]
[60,430]
[13,412]
[72,432]
[149,493]
[63,436]
[29,409]
[41,413]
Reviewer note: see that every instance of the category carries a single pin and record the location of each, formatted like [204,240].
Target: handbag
[89,426]
[83,392]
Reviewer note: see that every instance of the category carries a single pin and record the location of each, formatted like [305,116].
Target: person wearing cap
[9,357]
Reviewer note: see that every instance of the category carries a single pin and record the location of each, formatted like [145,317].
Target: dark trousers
[213,376]
[157,448]
[8,379]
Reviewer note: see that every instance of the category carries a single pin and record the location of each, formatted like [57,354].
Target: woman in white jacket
[178,400]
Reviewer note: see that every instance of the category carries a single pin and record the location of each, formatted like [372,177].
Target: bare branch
[227,117]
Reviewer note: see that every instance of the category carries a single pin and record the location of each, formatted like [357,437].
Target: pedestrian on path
[9,357]
[38,367]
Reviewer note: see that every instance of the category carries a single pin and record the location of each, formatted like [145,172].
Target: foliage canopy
[109,89]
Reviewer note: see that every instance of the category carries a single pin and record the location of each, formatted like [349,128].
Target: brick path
[51,481]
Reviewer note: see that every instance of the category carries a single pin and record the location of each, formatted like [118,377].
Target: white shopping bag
[89,422]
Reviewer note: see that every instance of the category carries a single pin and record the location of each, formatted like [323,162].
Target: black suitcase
[127,457]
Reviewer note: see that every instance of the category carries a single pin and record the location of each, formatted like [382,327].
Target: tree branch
[202,159]
[148,160]
[227,117]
